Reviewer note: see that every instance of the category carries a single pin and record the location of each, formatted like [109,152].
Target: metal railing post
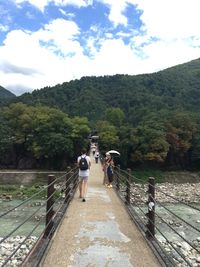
[151,209]
[128,187]
[49,207]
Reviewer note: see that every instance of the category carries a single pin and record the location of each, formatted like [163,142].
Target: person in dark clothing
[109,169]
[96,156]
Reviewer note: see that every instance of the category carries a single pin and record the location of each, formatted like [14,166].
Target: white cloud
[124,34]
[77,3]
[39,54]
[22,51]
[60,37]
[116,11]
[170,19]
[114,57]
[162,54]
[54,54]
[41,4]
[4,28]
[66,14]
[165,19]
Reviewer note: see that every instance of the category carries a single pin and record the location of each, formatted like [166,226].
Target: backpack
[83,164]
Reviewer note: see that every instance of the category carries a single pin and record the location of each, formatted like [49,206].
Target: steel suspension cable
[27,200]
[169,242]
[180,201]
[177,232]
[182,256]
[198,230]
[176,199]
[14,252]
[129,174]
[15,229]
[144,225]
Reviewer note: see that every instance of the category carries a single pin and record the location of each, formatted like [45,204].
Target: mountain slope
[5,94]
[176,88]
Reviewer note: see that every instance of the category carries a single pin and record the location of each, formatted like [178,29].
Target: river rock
[186,246]
[10,244]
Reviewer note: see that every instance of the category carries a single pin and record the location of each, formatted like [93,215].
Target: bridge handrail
[180,201]
[171,244]
[67,187]
[198,230]
[30,198]
[142,224]
[177,233]
[157,188]
[124,184]
[27,219]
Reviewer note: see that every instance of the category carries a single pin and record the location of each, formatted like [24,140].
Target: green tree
[152,145]
[108,138]
[181,129]
[115,116]
[48,134]
[6,137]
[80,133]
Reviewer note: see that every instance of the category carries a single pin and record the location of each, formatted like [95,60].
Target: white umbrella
[113,152]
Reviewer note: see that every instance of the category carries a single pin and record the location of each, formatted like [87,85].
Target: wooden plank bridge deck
[98,232]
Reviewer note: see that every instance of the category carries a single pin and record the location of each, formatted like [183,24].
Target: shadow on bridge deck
[98,232]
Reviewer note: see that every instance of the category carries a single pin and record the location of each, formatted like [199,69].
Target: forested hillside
[153,119]
[176,88]
[5,95]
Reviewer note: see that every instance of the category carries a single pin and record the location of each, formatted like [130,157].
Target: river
[19,215]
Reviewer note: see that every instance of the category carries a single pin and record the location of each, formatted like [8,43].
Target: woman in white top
[84,164]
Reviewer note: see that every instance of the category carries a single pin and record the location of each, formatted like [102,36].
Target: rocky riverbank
[188,253]
[168,192]
[187,192]
[173,196]
[10,245]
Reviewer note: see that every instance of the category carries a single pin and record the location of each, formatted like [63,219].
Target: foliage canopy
[151,118]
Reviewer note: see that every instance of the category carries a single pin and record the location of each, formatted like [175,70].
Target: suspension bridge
[115,226]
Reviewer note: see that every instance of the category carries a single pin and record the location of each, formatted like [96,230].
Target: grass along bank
[21,191]
[166,176]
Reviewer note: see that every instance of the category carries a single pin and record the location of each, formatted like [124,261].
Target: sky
[48,42]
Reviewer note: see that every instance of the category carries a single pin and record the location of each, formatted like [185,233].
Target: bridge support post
[67,184]
[49,207]
[128,187]
[150,233]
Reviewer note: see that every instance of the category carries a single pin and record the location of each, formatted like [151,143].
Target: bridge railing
[46,214]
[161,232]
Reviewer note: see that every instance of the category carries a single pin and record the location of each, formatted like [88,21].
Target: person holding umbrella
[109,163]
[113,152]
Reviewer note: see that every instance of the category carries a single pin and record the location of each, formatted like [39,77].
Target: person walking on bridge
[96,156]
[84,164]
